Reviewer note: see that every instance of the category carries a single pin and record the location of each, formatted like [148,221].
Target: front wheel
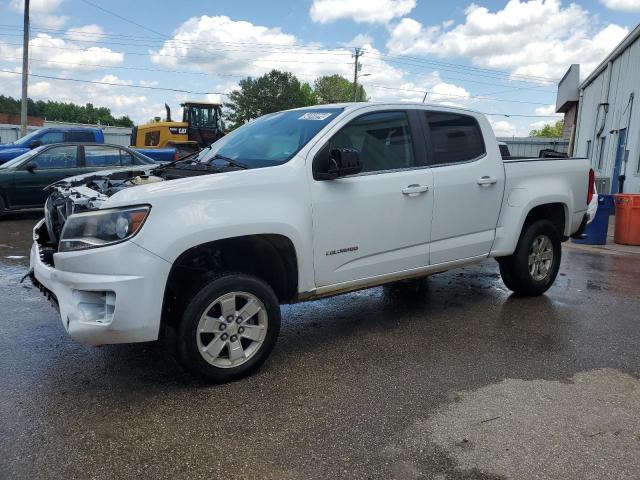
[534,265]
[229,328]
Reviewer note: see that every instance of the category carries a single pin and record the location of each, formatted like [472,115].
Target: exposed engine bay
[88,192]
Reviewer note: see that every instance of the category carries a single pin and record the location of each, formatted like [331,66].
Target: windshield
[272,139]
[18,160]
[24,140]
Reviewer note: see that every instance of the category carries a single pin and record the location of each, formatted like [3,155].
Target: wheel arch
[270,257]
[556,210]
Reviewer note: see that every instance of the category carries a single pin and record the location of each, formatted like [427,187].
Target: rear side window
[51,137]
[454,137]
[101,156]
[80,136]
[383,140]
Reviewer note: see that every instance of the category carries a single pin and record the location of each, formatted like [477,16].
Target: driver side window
[382,139]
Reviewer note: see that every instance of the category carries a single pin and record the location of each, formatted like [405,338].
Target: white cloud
[623,5]
[361,11]
[41,12]
[55,53]
[502,128]
[548,110]
[52,54]
[536,37]
[86,32]
[121,101]
[359,40]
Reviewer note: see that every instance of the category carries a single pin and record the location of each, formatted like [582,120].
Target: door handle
[487,181]
[415,189]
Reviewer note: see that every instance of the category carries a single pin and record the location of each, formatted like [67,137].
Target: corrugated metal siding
[531,146]
[625,79]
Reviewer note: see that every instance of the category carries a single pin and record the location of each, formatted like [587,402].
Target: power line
[412,61]
[113,84]
[469,67]
[124,18]
[477,97]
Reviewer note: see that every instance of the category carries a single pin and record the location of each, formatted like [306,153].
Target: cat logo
[178,130]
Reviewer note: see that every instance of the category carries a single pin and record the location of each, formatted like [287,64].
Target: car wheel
[228,328]
[2,207]
[534,265]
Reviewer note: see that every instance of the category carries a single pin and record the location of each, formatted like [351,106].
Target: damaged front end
[86,193]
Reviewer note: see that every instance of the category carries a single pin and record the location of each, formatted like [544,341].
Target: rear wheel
[533,267]
[229,328]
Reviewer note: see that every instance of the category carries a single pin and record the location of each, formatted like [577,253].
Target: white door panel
[467,199]
[365,225]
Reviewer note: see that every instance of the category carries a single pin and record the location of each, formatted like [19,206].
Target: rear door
[52,164]
[468,177]
[376,222]
[98,157]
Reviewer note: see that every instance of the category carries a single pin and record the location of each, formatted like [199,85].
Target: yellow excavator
[201,126]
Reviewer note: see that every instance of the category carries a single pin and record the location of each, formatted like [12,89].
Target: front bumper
[105,295]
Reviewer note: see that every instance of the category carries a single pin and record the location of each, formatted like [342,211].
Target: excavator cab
[201,126]
[204,120]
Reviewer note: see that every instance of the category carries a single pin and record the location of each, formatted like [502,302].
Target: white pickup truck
[294,206]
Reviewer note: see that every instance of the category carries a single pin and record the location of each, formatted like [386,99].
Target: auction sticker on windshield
[315,116]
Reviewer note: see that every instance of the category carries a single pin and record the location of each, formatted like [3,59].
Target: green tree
[549,130]
[272,92]
[65,112]
[337,89]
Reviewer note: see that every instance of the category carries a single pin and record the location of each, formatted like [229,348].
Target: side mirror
[339,162]
[35,144]
[31,167]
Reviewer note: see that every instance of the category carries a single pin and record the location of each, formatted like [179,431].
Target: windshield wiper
[230,161]
[181,159]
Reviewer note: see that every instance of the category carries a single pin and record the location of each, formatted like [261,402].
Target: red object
[627,230]
[6,118]
[175,155]
[592,180]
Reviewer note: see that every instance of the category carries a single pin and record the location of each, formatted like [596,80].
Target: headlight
[102,227]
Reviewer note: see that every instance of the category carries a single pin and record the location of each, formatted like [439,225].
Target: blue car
[48,136]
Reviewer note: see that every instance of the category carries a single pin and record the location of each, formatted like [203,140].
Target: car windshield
[272,139]
[18,160]
[24,140]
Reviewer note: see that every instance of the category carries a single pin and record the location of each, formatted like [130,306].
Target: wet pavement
[450,378]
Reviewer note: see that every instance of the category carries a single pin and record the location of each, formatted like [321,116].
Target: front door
[617,168]
[376,222]
[52,165]
[468,187]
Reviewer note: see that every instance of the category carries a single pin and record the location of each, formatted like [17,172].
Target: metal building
[602,116]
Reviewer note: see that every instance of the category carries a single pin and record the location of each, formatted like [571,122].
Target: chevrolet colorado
[293,206]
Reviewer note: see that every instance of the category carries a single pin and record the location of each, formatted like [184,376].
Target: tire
[213,342]
[2,207]
[532,276]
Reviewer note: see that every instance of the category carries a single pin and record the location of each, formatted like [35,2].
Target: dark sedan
[23,179]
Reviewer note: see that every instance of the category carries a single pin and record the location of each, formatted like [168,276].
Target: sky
[500,58]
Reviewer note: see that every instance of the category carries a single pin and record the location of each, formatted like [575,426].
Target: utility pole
[356,66]
[424,99]
[25,71]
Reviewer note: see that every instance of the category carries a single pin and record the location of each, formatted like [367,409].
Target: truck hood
[121,186]
[6,146]
[11,151]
